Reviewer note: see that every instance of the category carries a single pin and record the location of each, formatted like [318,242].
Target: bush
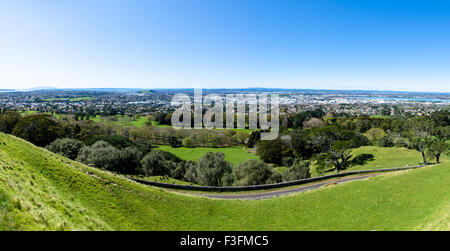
[299,170]
[8,120]
[275,178]
[68,148]
[188,142]
[180,170]
[252,172]
[38,129]
[174,142]
[129,161]
[374,134]
[155,164]
[313,122]
[101,155]
[385,141]
[210,170]
[288,161]
[401,142]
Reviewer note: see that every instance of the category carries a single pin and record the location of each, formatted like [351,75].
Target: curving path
[286,191]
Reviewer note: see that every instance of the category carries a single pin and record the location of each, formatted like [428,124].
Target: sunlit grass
[43,191]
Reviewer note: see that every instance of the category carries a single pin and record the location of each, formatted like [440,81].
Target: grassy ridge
[42,191]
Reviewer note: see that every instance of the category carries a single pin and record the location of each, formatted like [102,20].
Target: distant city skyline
[321,44]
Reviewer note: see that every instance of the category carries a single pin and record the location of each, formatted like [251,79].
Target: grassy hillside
[42,191]
[384,157]
[234,155]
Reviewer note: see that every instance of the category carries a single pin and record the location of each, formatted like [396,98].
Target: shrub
[241,137]
[174,142]
[68,148]
[313,122]
[8,120]
[385,141]
[299,170]
[401,142]
[287,161]
[155,164]
[188,142]
[129,161]
[252,172]
[210,170]
[275,178]
[180,170]
[101,155]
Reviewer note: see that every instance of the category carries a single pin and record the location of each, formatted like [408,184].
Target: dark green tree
[298,171]
[210,170]
[8,120]
[155,164]
[337,158]
[38,129]
[252,172]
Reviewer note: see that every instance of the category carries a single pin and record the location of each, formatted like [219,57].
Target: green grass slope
[384,157]
[42,191]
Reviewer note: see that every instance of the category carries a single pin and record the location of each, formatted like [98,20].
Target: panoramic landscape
[136,132]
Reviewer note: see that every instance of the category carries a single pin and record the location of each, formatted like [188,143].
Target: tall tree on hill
[337,158]
[422,129]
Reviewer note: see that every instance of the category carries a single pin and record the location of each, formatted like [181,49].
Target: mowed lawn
[42,191]
[234,155]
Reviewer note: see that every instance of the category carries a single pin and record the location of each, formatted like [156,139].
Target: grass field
[234,155]
[42,191]
[384,157]
[125,121]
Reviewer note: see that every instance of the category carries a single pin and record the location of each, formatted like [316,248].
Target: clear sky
[371,45]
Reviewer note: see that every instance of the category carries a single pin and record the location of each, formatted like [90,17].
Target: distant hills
[252,89]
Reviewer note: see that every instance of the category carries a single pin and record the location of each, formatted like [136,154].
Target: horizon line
[225,88]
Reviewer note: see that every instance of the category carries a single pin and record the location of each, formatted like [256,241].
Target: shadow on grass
[362,159]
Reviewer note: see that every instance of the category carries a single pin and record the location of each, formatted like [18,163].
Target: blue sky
[371,45]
